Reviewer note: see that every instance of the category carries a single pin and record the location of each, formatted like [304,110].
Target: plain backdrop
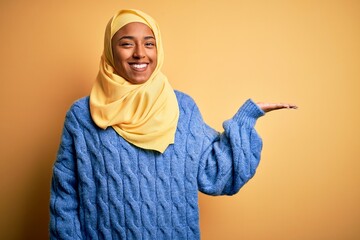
[221,53]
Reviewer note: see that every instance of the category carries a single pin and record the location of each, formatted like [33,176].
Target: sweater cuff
[248,113]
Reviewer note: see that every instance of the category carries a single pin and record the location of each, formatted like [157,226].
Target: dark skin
[268,107]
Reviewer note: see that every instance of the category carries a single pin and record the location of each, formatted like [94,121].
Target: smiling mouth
[138,66]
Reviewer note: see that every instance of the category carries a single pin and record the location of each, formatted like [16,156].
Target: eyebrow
[131,37]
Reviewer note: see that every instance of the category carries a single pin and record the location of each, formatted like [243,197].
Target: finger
[285,105]
[268,107]
[291,106]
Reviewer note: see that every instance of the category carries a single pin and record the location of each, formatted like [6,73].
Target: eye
[150,44]
[126,44]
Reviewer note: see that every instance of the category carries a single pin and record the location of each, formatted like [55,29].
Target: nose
[139,52]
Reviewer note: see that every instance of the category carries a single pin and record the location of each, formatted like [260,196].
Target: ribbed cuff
[248,113]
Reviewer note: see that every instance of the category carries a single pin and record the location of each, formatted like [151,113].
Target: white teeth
[139,66]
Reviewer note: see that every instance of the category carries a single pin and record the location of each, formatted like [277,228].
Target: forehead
[134,29]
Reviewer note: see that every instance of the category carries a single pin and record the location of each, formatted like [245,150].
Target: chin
[137,81]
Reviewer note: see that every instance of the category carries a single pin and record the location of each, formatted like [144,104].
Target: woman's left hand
[268,107]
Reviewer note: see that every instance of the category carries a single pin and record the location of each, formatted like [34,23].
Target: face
[134,52]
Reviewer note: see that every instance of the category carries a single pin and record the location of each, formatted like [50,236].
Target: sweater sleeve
[230,159]
[64,216]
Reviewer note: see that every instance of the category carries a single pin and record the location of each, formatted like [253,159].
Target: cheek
[118,56]
[120,60]
[154,56]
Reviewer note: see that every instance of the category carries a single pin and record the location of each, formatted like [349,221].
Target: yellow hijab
[146,114]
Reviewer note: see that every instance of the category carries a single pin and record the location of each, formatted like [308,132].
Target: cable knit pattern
[106,188]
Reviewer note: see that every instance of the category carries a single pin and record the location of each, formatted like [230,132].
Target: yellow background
[221,53]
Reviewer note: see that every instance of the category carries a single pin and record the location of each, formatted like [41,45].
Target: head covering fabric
[146,114]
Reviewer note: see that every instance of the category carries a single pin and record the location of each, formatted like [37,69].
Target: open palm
[268,107]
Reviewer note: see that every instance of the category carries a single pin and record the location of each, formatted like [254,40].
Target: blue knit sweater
[105,188]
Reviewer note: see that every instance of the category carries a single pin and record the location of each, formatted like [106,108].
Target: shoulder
[82,103]
[184,99]
[80,106]
[79,110]
[189,111]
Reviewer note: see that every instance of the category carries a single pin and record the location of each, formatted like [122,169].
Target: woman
[134,154]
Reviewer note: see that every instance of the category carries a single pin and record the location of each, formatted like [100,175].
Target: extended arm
[230,159]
